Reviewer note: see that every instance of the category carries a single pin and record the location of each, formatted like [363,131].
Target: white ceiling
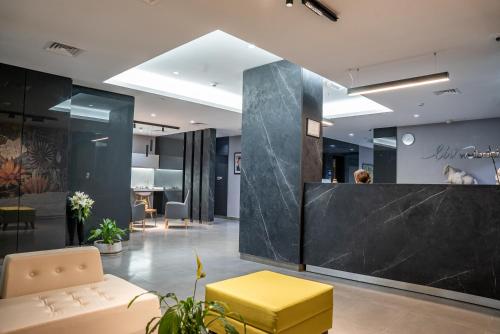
[383,38]
[208,70]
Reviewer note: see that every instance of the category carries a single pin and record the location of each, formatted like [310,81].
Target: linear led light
[400,84]
[99,139]
[327,123]
[319,9]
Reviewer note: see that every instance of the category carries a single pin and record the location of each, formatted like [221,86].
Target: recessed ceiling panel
[207,70]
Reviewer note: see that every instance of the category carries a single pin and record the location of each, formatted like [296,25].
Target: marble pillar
[277,157]
[208,175]
[188,169]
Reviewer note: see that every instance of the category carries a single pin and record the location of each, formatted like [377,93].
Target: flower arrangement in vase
[79,208]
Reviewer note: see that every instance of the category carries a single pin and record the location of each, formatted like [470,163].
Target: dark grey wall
[34,140]
[277,157]
[439,236]
[199,173]
[438,145]
[171,152]
[102,169]
[384,157]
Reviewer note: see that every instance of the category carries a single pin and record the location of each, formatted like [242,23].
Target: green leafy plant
[81,206]
[190,316]
[108,232]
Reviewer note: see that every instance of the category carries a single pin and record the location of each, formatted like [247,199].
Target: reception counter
[436,239]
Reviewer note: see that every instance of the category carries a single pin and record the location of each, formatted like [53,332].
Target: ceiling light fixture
[416,115]
[99,139]
[251,46]
[351,135]
[289,3]
[327,123]
[399,84]
[191,122]
[175,73]
[320,9]
[153,115]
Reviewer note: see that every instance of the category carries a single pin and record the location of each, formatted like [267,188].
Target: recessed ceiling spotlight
[192,122]
[289,3]
[416,115]
[91,105]
[251,46]
[351,134]
[449,121]
[175,73]
[153,115]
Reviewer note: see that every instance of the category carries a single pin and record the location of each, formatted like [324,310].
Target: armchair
[138,209]
[177,210]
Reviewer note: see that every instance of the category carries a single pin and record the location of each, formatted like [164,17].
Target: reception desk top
[427,237]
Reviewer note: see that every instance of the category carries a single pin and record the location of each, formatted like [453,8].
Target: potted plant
[190,316]
[78,209]
[108,237]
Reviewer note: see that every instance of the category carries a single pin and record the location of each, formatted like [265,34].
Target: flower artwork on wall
[33,164]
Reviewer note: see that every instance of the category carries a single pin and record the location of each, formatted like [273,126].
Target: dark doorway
[221,169]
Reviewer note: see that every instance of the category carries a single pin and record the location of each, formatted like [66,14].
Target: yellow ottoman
[275,303]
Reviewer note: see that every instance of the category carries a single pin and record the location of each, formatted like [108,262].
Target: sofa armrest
[27,273]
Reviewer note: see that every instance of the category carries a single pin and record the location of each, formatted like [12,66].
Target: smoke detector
[452,91]
[63,49]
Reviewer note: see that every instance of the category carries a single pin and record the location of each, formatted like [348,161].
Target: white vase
[108,249]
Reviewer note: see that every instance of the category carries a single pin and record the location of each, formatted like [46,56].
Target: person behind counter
[362,176]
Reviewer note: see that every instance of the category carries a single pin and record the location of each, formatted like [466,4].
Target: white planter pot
[108,249]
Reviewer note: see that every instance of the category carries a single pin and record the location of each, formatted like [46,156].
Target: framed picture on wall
[237,162]
[313,128]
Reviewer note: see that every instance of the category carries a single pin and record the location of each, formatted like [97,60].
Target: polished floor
[164,260]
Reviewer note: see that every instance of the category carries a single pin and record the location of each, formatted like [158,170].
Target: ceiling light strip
[156,124]
[400,84]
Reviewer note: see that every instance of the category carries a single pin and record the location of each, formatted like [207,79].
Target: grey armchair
[177,210]
[138,210]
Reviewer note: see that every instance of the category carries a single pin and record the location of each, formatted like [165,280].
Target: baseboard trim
[462,297]
[284,265]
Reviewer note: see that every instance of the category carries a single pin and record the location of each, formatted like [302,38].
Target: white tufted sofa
[65,291]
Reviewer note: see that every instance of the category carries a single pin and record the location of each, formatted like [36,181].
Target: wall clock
[408,139]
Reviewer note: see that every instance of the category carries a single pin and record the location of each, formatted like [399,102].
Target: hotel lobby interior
[262,166]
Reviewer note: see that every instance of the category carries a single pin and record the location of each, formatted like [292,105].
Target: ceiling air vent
[452,91]
[63,49]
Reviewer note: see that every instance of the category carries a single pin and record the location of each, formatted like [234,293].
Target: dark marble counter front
[439,236]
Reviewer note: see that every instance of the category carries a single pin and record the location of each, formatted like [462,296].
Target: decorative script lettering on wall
[446,152]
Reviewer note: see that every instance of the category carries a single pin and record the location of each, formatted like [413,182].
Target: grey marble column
[196,181]
[208,175]
[188,169]
[277,157]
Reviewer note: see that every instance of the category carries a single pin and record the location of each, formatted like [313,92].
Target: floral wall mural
[34,165]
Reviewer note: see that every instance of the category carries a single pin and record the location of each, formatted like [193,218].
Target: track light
[400,84]
[320,9]
[289,3]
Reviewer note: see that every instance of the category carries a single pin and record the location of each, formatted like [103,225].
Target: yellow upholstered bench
[275,303]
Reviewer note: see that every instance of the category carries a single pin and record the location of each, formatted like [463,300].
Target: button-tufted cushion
[27,273]
[91,308]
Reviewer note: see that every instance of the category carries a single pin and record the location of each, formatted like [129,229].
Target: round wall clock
[408,139]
